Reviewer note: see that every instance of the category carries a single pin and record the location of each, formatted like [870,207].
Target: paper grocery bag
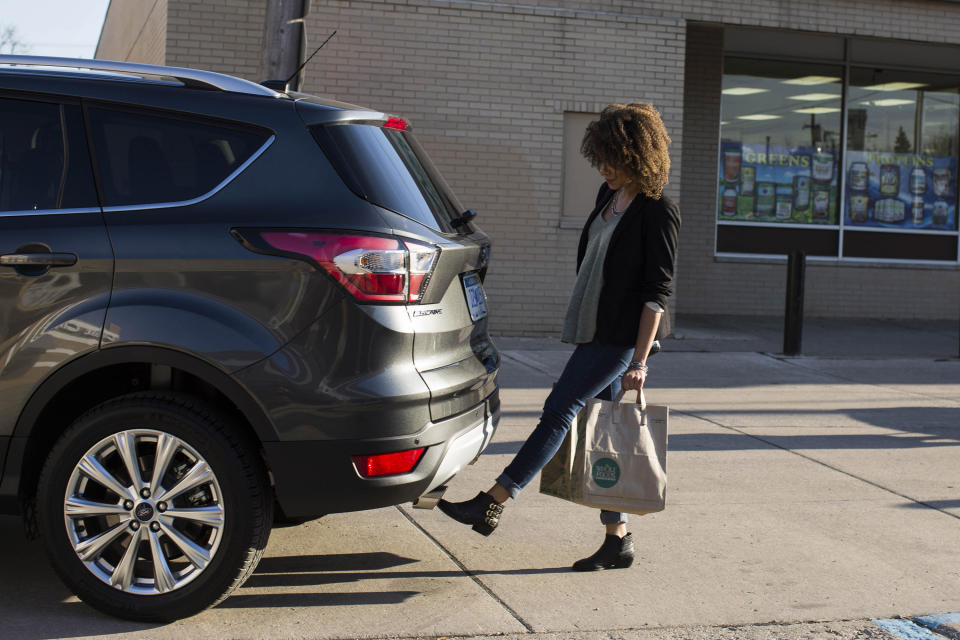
[614,457]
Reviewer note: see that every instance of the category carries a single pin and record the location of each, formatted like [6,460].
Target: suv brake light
[388,464]
[371,268]
[394,122]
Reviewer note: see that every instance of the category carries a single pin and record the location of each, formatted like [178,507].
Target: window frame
[87,104]
[70,156]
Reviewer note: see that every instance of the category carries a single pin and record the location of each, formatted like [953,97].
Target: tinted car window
[389,168]
[147,158]
[31,155]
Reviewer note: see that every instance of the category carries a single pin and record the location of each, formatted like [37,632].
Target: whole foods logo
[606,472]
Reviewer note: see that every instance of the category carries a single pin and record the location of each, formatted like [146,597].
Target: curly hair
[631,137]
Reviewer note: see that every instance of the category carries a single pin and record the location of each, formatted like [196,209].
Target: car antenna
[300,68]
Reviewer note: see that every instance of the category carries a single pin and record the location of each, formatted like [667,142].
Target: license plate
[475,298]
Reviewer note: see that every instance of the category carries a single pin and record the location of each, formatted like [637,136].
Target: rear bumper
[316,477]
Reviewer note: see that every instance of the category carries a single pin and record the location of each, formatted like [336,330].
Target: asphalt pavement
[811,496]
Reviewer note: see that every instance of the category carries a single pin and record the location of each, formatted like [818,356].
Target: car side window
[32,158]
[152,158]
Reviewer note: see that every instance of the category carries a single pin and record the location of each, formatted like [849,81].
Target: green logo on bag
[606,472]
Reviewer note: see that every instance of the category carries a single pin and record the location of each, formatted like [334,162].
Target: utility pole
[284,40]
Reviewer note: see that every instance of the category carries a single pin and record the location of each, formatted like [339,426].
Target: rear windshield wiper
[464,218]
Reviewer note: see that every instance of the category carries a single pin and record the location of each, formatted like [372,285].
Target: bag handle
[641,400]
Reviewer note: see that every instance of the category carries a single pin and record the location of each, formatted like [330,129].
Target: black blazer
[639,264]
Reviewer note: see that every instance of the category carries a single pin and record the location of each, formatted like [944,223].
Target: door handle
[38,260]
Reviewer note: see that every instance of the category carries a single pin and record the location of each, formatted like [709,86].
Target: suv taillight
[388,464]
[371,268]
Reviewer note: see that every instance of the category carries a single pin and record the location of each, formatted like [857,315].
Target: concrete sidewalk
[808,497]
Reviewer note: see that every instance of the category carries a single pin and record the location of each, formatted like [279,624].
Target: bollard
[793,313]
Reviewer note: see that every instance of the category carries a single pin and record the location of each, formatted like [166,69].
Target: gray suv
[221,307]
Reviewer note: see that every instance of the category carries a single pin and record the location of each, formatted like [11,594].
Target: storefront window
[779,175]
[780,142]
[779,152]
[902,150]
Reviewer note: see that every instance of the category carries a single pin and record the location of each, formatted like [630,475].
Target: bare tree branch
[10,41]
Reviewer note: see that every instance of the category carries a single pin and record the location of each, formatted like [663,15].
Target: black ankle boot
[483,512]
[614,553]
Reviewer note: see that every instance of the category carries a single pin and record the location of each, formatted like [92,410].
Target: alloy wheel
[144,512]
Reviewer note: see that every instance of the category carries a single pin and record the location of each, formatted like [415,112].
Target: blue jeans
[593,371]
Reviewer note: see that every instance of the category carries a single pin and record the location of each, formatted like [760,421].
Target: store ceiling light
[815,96]
[895,86]
[888,102]
[759,116]
[816,111]
[742,91]
[809,81]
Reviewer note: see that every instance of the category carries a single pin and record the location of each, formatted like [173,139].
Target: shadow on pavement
[68,620]
[312,579]
[936,504]
[332,562]
[740,442]
[934,421]
[320,570]
[35,605]
[915,427]
[264,600]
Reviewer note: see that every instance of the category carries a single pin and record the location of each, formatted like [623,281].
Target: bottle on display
[784,201]
[748,183]
[801,193]
[889,179]
[731,165]
[940,211]
[859,176]
[729,201]
[918,181]
[821,203]
[859,203]
[916,211]
[822,167]
[766,199]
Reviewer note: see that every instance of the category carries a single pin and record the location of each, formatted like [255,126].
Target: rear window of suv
[389,168]
[149,158]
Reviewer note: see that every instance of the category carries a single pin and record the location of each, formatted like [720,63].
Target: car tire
[201,516]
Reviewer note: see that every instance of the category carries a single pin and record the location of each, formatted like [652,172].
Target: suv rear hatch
[381,161]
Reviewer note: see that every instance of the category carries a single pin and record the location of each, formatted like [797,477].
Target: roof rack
[189,77]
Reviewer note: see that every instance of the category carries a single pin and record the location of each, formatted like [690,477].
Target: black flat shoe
[483,512]
[614,553]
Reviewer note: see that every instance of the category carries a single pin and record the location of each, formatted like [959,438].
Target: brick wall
[486,84]
[217,35]
[225,36]
[920,20]
[486,89]
[134,31]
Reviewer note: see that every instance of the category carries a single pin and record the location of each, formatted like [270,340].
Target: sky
[67,28]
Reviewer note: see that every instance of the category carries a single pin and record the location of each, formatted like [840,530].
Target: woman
[625,267]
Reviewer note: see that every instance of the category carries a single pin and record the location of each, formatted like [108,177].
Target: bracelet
[638,366]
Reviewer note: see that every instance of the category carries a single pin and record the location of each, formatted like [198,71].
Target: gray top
[580,324]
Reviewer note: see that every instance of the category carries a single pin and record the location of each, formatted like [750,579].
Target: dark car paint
[47,320]
[4,445]
[112,356]
[338,378]
[319,476]
[302,361]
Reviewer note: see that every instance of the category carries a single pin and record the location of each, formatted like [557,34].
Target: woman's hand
[633,380]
